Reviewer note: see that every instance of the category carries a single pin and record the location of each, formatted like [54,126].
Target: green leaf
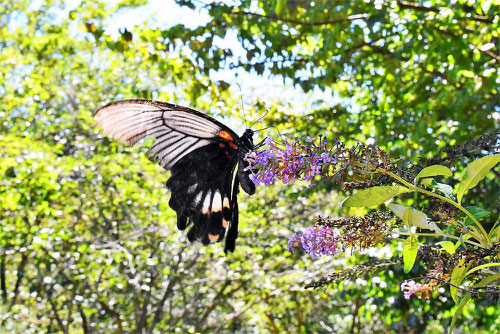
[410,250]
[374,196]
[457,276]
[475,172]
[407,217]
[434,170]
[458,311]
[487,265]
[448,246]
[477,212]
[418,218]
[427,182]
[443,188]
[467,297]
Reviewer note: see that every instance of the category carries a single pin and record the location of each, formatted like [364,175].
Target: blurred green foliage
[87,240]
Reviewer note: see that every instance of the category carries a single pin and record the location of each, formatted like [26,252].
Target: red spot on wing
[225,135]
[233,146]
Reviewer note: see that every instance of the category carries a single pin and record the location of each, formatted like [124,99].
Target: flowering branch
[369,167]
[294,161]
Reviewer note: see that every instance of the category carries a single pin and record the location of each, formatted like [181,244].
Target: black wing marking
[178,130]
[204,196]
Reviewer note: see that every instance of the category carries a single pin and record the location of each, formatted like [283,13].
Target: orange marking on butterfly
[222,145]
[225,135]
[225,223]
[226,203]
[213,237]
[233,146]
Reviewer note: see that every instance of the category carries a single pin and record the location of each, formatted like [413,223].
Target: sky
[166,13]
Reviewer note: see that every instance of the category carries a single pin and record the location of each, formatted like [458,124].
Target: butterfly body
[202,155]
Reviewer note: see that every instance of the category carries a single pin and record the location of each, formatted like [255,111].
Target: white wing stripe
[201,143]
[178,131]
[172,152]
[162,145]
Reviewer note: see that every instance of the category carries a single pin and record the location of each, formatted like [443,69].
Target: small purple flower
[289,162]
[268,141]
[315,170]
[326,157]
[293,243]
[254,179]
[316,241]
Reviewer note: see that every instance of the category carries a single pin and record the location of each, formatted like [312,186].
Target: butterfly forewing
[201,153]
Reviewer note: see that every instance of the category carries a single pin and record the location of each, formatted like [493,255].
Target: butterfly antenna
[242,107]
[267,127]
[267,111]
[279,133]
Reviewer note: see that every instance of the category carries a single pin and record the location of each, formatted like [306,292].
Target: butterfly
[202,155]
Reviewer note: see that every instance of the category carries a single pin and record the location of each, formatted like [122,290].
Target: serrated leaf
[410,250]
[419,219]
[475,172]
[448,246]
[374,196]
[434,170]
[457,276]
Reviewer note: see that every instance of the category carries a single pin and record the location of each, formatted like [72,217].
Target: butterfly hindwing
[200,185]
[201,154]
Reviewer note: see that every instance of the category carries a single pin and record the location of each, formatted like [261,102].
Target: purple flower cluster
[353,167]
[291,162]
[316,241]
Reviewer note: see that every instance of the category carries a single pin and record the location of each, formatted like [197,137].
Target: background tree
[87,241]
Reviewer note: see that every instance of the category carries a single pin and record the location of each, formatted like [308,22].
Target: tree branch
[277,18]
[20,276]
[85,323]
[168,290]
[238,314]
[454,36]
[213,305]
[422,8]
[113,313]
[3,285]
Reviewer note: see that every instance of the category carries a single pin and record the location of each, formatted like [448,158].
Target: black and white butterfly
[202,155]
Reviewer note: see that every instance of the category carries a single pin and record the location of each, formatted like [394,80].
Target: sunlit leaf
[434,170]
[418,218]
[410,250]
[457,277]
[475,172]
[374,196]
[448,246]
